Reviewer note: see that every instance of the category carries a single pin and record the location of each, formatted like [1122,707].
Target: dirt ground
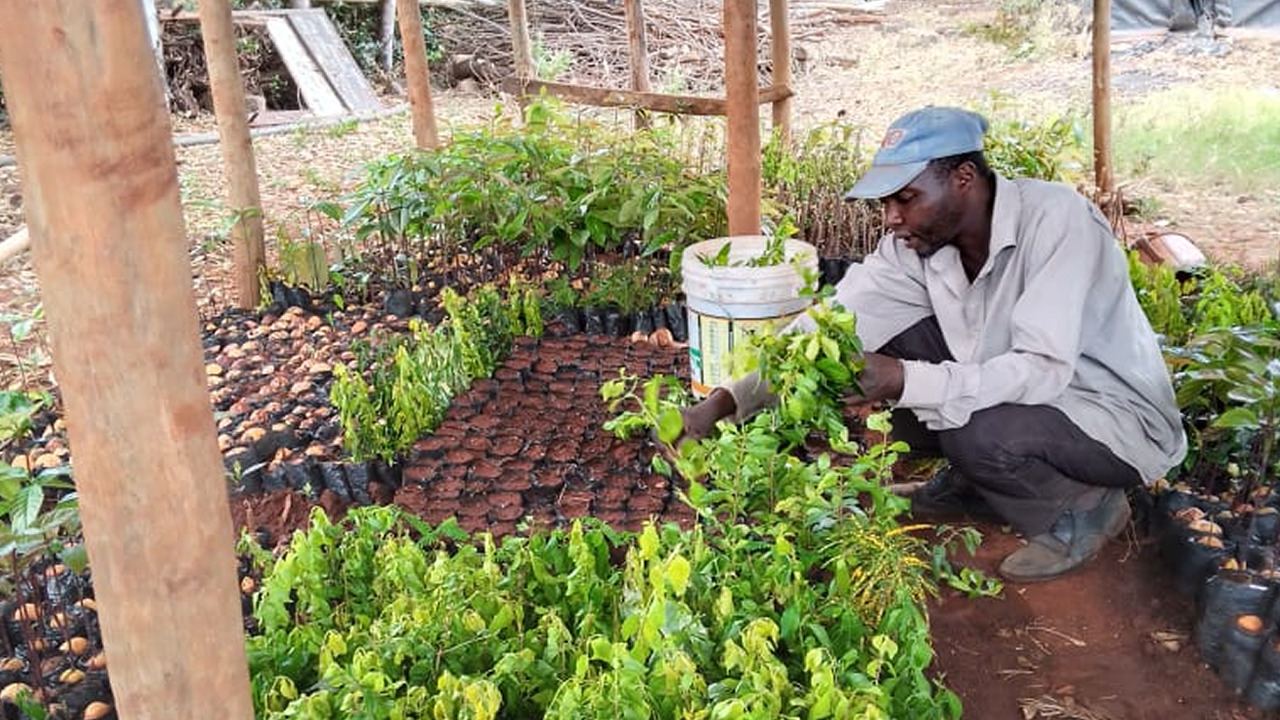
[1108,643]
[1083,647]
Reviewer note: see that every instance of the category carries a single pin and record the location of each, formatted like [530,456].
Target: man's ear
[964,176]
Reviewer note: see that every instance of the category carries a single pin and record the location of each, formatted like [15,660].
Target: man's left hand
[881,378]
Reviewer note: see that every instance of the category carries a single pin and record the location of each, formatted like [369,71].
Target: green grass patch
[1229,136]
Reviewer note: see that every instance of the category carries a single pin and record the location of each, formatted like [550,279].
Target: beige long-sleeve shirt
[1050,319]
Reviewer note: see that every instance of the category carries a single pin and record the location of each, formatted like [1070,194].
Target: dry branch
[686,44]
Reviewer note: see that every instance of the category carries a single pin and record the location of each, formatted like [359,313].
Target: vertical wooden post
[241,169]
[157,44]
[780,46]
[418,74]
[521,45]
[638,45]
[102,203]
[389,36]
[1103,172]
[742,105]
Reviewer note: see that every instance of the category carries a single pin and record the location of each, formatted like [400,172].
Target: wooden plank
[742,108]
[312,83]
[217,31]
[330,53]
[418,74]
[609,97]
[110,250]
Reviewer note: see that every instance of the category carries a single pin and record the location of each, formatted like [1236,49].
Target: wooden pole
[780,46]
[418,74]
[521,45]
[743,109]
[237,148]
[1104,174]
[389,34]
[110,249]
[638,45]
[152,17]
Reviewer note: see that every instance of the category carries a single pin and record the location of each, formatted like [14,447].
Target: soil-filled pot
[1226,596]
[1194,557]
[1244,639]
[593,321]
[616,324]
[571,318]
[643,323]
[1264,526]
[677,321]
[1264,688]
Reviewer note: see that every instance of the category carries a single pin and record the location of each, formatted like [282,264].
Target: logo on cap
[893,137]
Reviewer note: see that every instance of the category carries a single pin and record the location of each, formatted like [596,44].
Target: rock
[213,369]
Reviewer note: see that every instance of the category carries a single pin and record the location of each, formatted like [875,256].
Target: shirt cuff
[924,384]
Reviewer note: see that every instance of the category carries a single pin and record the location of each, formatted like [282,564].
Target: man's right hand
[700,419]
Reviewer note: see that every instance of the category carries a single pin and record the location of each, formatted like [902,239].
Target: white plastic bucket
[727,303]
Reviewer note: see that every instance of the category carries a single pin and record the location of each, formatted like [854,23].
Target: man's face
[926,214]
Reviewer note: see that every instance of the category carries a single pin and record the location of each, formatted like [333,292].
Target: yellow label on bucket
[711,344]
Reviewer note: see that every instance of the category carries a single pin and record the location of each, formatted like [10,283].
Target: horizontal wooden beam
[654,102]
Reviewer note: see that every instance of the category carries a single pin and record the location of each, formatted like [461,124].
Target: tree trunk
[521,45]
[110,249]
[417,73]
[237,148]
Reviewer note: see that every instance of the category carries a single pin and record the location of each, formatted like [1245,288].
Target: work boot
[949,495]
[1076,536]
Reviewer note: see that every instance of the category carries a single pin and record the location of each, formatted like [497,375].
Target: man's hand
[700,419]
[881,378]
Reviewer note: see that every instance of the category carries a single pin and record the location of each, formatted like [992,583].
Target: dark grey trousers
[1029,462]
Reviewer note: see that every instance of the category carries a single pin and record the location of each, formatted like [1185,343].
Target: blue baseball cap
[912,141]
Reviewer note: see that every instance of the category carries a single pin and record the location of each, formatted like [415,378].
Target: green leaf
[1237,417]
[670,425]
[678,570]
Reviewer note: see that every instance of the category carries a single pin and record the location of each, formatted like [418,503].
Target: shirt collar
[1004,217]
